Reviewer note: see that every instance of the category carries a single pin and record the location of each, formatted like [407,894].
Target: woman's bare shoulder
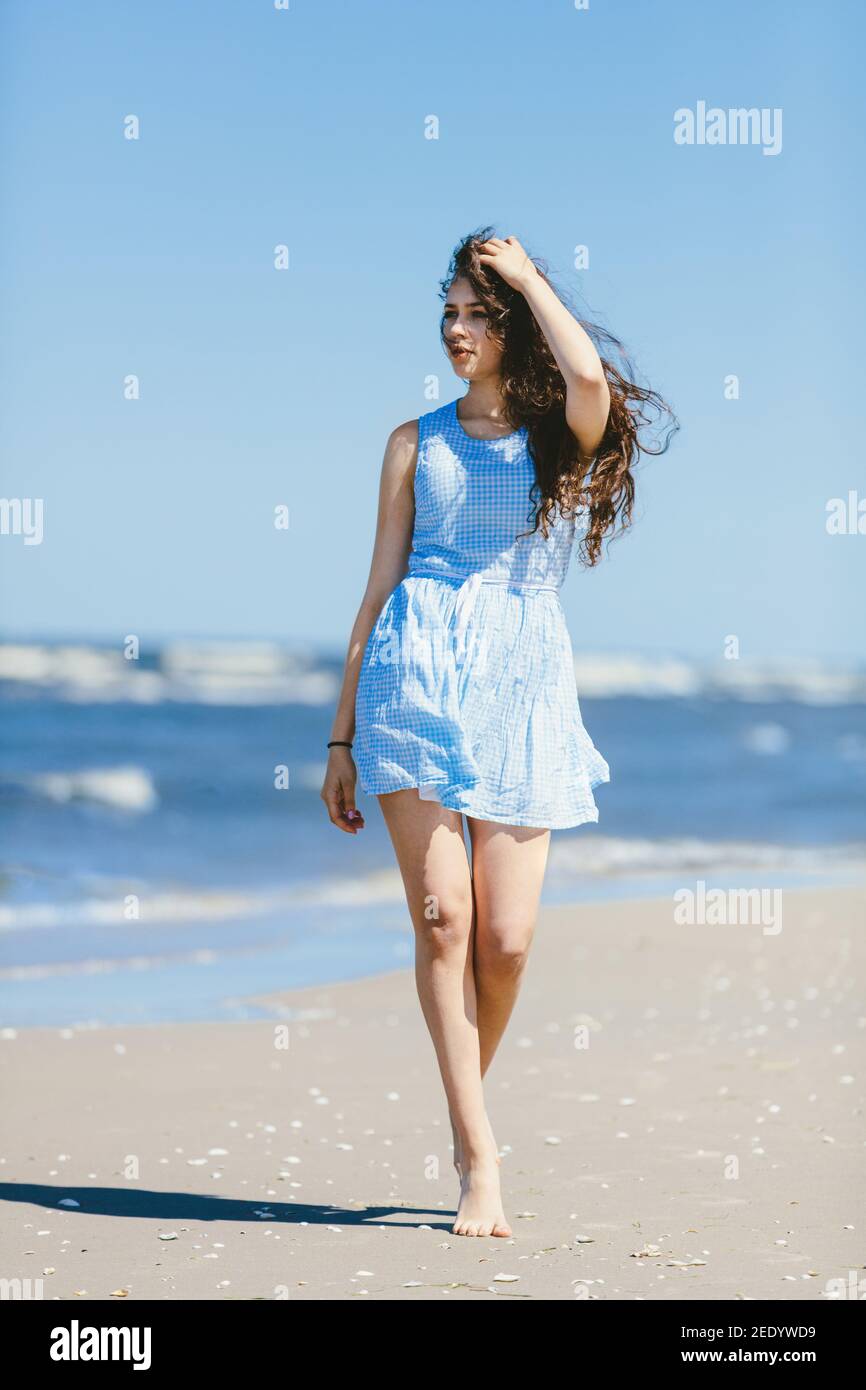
[401,450]
[404,436]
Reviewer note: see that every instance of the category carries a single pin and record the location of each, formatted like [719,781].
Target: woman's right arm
[394,526]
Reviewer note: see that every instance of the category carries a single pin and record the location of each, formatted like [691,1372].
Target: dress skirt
[476,704]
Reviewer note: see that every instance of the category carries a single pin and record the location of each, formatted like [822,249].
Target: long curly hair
[600,491]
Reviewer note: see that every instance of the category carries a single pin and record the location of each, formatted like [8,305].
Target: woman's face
[464,330]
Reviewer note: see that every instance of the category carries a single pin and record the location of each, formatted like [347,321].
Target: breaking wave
[259,673]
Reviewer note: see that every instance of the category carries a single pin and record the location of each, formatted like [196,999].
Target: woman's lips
[459,352]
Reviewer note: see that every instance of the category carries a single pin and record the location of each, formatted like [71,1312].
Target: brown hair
[534,394]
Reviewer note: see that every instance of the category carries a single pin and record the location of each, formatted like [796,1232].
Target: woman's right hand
[338,791]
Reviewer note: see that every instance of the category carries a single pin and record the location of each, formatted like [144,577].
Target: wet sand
[679,1111]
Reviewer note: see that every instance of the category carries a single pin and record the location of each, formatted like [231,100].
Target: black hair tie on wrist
[339,743]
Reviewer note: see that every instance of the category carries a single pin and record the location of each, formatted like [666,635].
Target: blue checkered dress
[466,689]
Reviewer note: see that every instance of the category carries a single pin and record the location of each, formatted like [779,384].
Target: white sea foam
[155,909]
[127,788]
[257,673]
[573,859]
[760,682]
[600,856]
[191,673]
[159,907]
[767,739]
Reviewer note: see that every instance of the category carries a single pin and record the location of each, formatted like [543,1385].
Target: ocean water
[152,870]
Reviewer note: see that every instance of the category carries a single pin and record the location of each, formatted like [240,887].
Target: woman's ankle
[478,1151]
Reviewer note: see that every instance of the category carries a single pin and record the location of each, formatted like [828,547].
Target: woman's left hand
[509,260]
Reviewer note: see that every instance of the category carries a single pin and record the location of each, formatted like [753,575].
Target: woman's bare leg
[431,852]
[509,864]
[508,867]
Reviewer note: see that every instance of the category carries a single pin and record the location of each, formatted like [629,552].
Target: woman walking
[459,691]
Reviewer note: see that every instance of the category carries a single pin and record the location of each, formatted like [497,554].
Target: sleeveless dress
[467,688]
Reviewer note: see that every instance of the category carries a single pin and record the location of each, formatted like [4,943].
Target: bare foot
[480,1211]
[458,1147]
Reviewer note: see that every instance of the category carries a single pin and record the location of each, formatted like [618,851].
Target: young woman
[459,674]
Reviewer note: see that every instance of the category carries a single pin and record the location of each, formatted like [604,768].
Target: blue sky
[305,127]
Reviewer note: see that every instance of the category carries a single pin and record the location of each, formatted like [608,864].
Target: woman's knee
[444,920]
[503,944]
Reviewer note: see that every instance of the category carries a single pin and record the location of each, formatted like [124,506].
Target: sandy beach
[679,1111]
